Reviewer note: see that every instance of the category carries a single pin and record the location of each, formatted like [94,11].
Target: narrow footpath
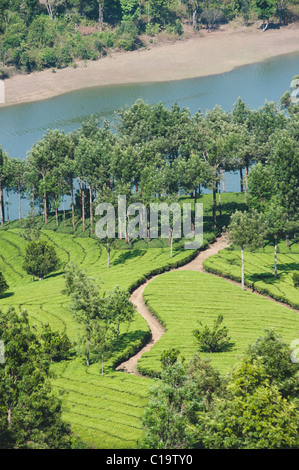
[157,330]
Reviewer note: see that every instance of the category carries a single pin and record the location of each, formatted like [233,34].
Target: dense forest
[56,33]
[151,153]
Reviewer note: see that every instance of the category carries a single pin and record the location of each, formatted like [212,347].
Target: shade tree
[246,230]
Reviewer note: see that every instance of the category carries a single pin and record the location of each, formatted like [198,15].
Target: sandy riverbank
[205,54]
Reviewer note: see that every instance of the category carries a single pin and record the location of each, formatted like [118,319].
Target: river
[22,125]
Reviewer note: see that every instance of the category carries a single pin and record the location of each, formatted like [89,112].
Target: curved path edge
[157,330]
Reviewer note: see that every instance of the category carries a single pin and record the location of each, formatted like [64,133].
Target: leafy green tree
[275,354]
[246,230]
[275,218]
[130,9]
[215,339]
[260,187]
[120,309]
[30,412]
[88,309]
[3,284]
[265,9]
[221,142]
[19,181]
[172,403]
[44,157]
[262,124]
[252,415]
[284,164]
[31,227]
[40,259]
[56,345]
[209,383]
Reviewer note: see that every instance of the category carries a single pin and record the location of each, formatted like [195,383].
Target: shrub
[178,27]
[40,259]
[4,73]
[126,42]
[214,340]
[296,279]
[56,346]
[3,284]
[49,57]
[152,29]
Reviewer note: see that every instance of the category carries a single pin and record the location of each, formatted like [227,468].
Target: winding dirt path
[157,330]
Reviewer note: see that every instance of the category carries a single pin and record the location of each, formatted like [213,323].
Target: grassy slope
[117,399]
[259,270]
[104,411]
[183,298]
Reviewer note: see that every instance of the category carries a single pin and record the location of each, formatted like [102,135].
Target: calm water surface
[22,125]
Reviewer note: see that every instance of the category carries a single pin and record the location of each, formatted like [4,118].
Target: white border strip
[2,92]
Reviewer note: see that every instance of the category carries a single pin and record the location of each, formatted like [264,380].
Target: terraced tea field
[182,298]
[259,270]
[104,411]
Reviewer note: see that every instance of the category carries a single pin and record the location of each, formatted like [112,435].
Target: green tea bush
[296,279]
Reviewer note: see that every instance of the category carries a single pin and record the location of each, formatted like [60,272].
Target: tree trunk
[1,206]
[19,195]
[73,206]
[45,208]
[90,209]
[246,176]
[219,200]
[83,208]
[63,209]
[223,180]
[241,180]
[170,240]
[242,268]
[148,225]
[101,16]
[9,416]
[7,205]
[49,9]
[56,210]
[275,259]
[214,206]
[194,19]
[108,255]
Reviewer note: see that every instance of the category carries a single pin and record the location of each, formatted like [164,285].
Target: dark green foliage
[209,382]
[55,345]
[172,404]
[296,279]
[34,35]
[275,356]
[30,412]
[215,339]
[40,259]
[254,407]
[169,357]
[251,415]
[3,284]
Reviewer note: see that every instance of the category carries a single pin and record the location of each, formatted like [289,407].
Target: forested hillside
[38,34]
